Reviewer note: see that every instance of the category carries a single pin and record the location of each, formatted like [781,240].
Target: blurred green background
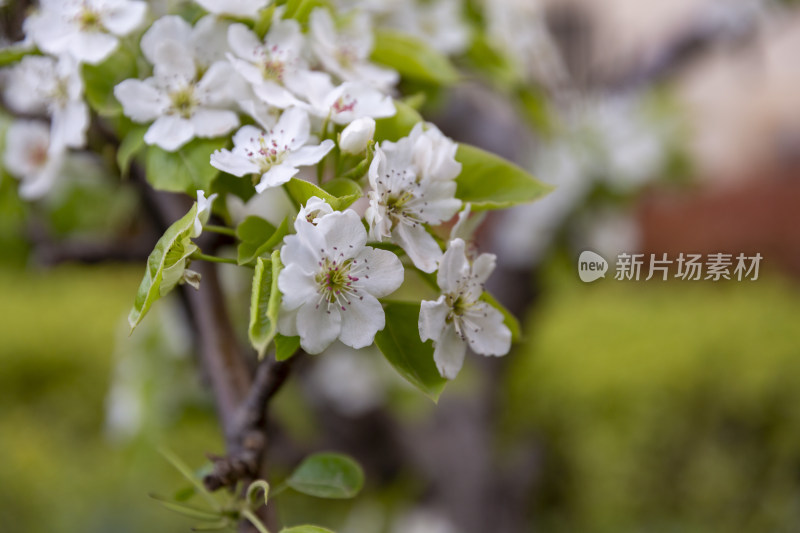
[655,406]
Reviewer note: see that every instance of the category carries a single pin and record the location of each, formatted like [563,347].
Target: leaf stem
[222,230]
[213,259]
[255,521]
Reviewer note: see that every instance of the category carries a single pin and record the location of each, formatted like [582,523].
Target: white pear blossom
[412,185]
[357,135]
[88,30]
[271,66]
[203,212]
[274,155]
[314,209]
[440,23]
[207,41]
[344,50]
[29,158]
[183,103]
[237,8]
[458,317]
[344,103]
[332,282]
[41,84]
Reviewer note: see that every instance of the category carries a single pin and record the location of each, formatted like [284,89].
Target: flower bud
[355,137]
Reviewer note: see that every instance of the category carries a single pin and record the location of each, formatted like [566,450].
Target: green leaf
[495,65]
[165,266]
[265,302]
[398,126]
[131,145]
[400,343]
[258,237]
[13,54]
[327,475]
[490,182]
[300,10]
[508,319]
[301,191]
[285,347]
[342,188]
[100,80]
[186,170]
[413,58]
[305,529]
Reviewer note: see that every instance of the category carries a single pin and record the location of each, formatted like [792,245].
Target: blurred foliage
[60,471]
[661,406]
[651,406]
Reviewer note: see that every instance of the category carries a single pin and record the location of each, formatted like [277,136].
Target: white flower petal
[309,155]
[489,336]
[174,64]
[432,318]
[420,246]
[125,17]
[318,327]
[276,95]
[275,176]
[244,42]
[292,129]
[343,233]
[169,132]
[218,85]
[454,267]
[361,320]
[385,268]
[141,102]
[296,286]
[232,163]
[92,48]
[237,8]
[168,28]
[69,126]
[356,135]
[213,122]
[449,352]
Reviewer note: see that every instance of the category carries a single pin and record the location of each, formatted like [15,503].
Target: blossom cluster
[293,99]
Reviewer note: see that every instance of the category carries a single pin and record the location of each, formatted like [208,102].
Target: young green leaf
[258,237]
[327,475]
[413,58]
[508,319]
[255,491]
[265,302]
[188,510]
[131,145]
[398,126]
[165,266]
[185,170]
[285,347]
[342,188]
[490,182]
[13,54]
[100,80]
[301,191]
[401,345]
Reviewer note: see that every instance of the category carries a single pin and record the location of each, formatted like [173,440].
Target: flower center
[272,68]
[267,154]
[335,283]
[89,20]
[183,102]
[344,103]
